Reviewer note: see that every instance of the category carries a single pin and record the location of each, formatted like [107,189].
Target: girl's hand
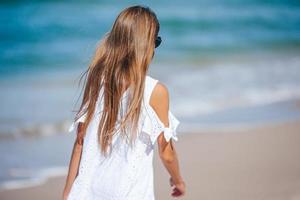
[178,188]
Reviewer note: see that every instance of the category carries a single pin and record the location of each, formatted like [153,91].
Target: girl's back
[127,173]
[116,130]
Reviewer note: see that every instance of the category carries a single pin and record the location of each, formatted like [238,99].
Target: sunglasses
[157,41]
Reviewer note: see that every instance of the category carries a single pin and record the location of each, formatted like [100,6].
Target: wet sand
[260,163]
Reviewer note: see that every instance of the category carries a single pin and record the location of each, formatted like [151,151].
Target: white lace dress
[127,174]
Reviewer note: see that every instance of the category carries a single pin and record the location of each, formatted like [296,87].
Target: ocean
[227,64]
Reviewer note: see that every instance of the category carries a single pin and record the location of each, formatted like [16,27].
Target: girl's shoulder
[158,117]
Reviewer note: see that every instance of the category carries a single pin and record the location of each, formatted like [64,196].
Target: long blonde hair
[121,62]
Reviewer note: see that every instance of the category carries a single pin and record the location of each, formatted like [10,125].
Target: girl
[123,113]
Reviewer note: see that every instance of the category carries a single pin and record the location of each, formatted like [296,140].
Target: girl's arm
[169,158]
[160,102]
[74,162]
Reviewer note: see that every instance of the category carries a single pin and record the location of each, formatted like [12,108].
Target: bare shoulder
[159,101]
[160,95]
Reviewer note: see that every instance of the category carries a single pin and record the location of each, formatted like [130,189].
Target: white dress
[127,174]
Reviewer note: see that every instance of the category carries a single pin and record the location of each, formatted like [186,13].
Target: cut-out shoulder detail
[159,101]
[159,118]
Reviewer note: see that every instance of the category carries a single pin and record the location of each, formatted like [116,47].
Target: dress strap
[149,87]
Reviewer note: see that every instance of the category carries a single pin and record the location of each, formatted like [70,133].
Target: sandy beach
[260,163]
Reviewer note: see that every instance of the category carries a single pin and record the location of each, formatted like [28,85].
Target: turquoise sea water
[226,63]
[38,35]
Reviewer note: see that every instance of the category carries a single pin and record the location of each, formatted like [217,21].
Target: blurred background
[228,64]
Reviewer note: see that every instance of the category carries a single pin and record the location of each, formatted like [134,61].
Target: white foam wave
[37,177]
[35,130]
[242,82]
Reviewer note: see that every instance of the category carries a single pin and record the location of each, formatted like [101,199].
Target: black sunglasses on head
[157,41]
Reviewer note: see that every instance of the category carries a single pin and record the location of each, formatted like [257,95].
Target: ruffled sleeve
[75,123]
[153,126]
[80,119]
